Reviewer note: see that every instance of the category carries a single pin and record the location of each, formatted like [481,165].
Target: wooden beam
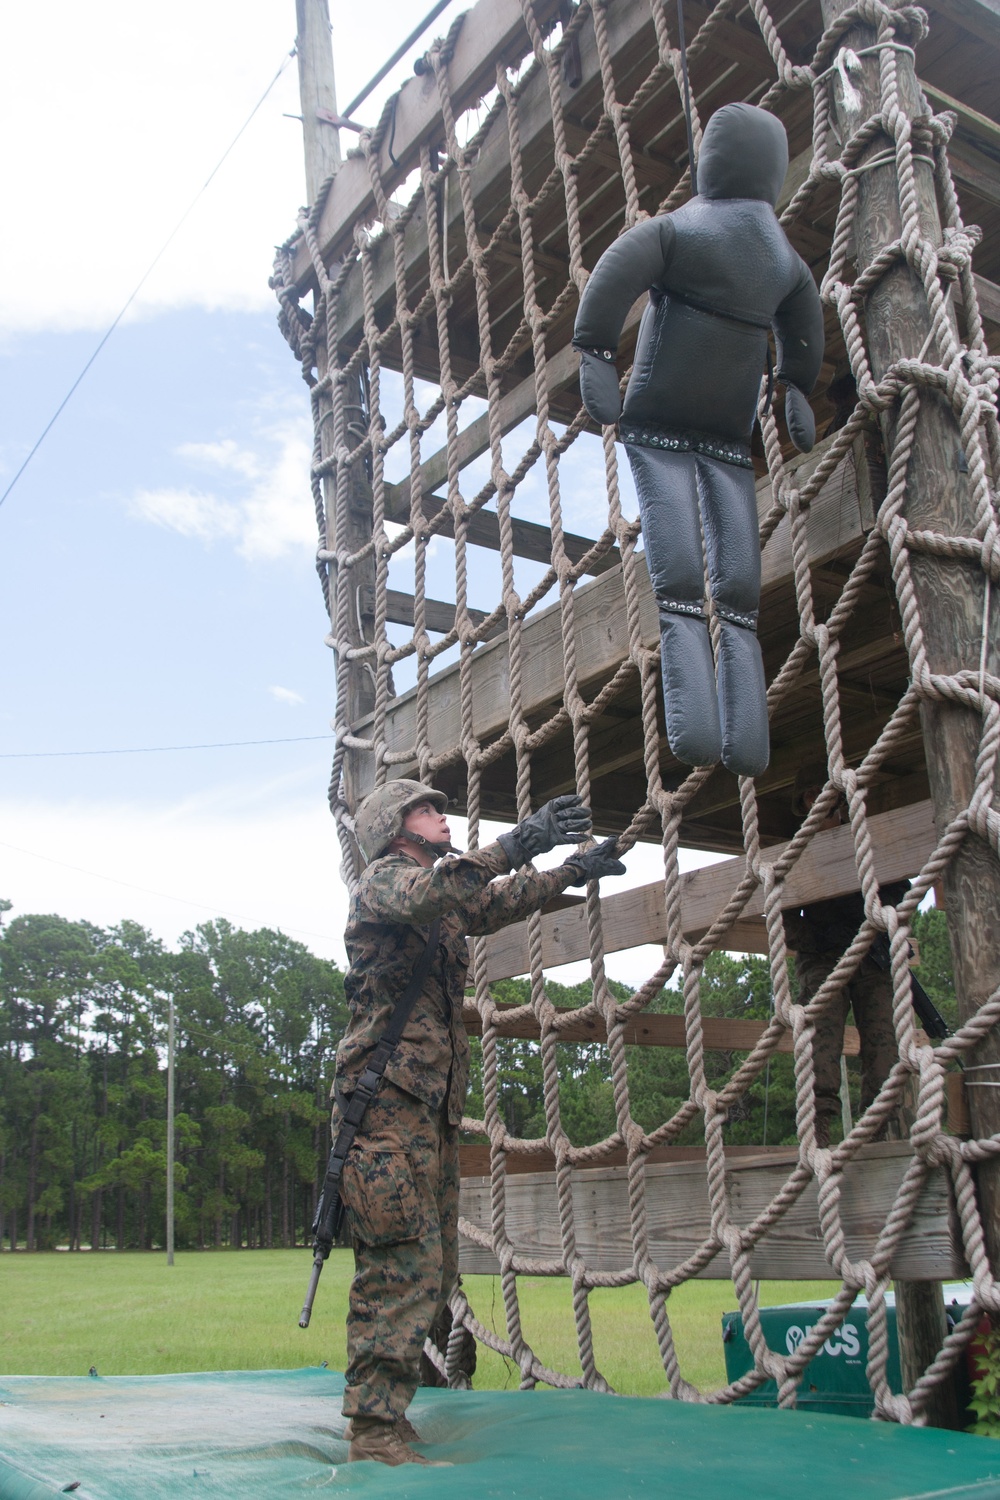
[972,167]
[399,610]
[720,1033]
[837,520]
[491,33]
[980,17]
[989,298]
[679,1217]
[483,529]
[902,840]
[798,171]
[475,1157]
[969,119]
[489,174]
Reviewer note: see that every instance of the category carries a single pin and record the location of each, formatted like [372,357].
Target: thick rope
[403,416]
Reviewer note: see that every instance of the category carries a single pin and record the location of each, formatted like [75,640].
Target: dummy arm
[629,267]
[798,334]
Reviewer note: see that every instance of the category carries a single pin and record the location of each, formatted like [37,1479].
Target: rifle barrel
[307,1305]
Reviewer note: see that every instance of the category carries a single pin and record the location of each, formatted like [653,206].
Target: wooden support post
[950,600]
[317,94]
[921,1327]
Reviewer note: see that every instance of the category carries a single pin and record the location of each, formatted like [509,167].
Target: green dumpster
[834,1381]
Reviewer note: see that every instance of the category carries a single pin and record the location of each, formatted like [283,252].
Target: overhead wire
[295,739]
[143,279]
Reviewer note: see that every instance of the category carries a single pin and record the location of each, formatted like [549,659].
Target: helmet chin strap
[438,850]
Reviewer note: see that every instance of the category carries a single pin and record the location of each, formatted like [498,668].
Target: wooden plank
[529,539]
[980,17]
[491,32]
[902,841]
[679,1219]
[969,119]
[475,1158]
[399,610]
[489,174]
[974,169]
[720,1033]
[836,521]
[989,298]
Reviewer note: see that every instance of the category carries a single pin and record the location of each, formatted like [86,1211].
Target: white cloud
[286,695]
[189,512]
[268,510]
[279,511]
[225,454]
[135,107]
[171,866]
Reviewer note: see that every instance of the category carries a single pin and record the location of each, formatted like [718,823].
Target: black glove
[599,387]
[564,820]
[800,419]
[594,864]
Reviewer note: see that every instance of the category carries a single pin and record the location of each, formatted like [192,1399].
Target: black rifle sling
[368,1084]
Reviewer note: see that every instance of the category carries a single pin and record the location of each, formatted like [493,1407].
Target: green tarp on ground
[278,1433]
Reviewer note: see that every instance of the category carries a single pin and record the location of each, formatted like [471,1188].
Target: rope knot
[956,252]
[941,1151]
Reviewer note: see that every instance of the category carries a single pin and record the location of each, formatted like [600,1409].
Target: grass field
[131,1314]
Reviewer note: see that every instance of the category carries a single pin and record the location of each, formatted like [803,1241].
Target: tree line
[83,1078]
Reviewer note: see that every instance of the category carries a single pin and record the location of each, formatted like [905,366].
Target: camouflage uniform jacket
[390,912]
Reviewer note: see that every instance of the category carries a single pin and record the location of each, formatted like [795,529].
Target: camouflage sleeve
[507,901]
[397,889]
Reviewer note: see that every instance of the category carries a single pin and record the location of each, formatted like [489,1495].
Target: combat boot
[407,1431]
[383,1443]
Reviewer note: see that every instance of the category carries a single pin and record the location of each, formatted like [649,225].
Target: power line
[146,891]
[295,739]
[143,279]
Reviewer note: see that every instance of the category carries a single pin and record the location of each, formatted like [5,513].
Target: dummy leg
[732,543]
[671,529]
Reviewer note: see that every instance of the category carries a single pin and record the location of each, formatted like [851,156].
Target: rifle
[329,1216]
[928,1014]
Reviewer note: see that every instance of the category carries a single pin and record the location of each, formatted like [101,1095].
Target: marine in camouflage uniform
[400,1182]
[819,934]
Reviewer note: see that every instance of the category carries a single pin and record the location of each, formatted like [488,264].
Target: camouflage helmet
[379,818]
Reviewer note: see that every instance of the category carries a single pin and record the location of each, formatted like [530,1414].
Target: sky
[157,582]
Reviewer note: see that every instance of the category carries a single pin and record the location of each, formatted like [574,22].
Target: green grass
[132,1314]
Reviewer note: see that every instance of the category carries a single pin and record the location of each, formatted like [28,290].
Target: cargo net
[376,416]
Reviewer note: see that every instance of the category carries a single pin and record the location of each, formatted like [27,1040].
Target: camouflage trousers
[869,995]
[400,1188]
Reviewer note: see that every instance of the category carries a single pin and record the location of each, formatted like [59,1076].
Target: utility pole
[170,1134]
[950,599]
[317,93]
[342,415]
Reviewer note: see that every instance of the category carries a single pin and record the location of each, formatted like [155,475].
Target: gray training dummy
[720,273]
